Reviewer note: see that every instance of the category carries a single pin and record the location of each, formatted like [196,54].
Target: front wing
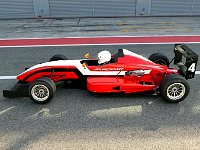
[19,90]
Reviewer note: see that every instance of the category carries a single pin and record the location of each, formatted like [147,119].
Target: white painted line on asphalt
[130,110]
[98,44]
[4,111]
[45,113]
[7,77]
[196,109]
[97,37]
[197,72]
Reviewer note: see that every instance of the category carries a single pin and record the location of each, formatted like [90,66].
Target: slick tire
[159,58]
[174,88]
[58,57]
[42,90]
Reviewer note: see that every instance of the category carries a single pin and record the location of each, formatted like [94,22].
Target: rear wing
[186,60]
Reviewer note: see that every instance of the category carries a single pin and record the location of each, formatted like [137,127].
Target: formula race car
[123,72]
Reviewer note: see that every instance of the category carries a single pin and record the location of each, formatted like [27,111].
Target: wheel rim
[176,91]
[40,92]
[161,62]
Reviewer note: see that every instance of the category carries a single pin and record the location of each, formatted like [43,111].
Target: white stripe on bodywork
[145,72]
[78,65]
[121,73]
[127,52]
[74,63]
[85,70]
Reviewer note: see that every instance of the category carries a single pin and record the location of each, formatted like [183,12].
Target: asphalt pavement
[75,119]
[89,27]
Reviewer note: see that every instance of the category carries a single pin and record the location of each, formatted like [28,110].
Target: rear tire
[159,58]
[42,90]
[58,57]
[174,88]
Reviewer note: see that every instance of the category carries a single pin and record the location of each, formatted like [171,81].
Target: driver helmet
[104,57]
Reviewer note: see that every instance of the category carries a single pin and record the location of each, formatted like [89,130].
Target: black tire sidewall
[167,81]
[47,83]
[159,56]
[58,57]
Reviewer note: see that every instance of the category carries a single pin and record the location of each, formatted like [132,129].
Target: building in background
[97,8]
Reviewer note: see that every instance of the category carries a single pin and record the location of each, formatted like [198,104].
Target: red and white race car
[124,72]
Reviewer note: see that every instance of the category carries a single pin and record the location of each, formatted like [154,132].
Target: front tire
[42,90]
[174,88]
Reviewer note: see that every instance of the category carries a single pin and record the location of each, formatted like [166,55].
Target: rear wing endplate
[186,60]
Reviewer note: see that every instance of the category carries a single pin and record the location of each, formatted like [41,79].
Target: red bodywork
[63,73]
[129,83]
[129,74]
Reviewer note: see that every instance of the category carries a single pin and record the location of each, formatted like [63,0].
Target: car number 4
[192,67]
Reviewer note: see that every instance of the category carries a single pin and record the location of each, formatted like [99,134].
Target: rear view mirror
[87,55]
